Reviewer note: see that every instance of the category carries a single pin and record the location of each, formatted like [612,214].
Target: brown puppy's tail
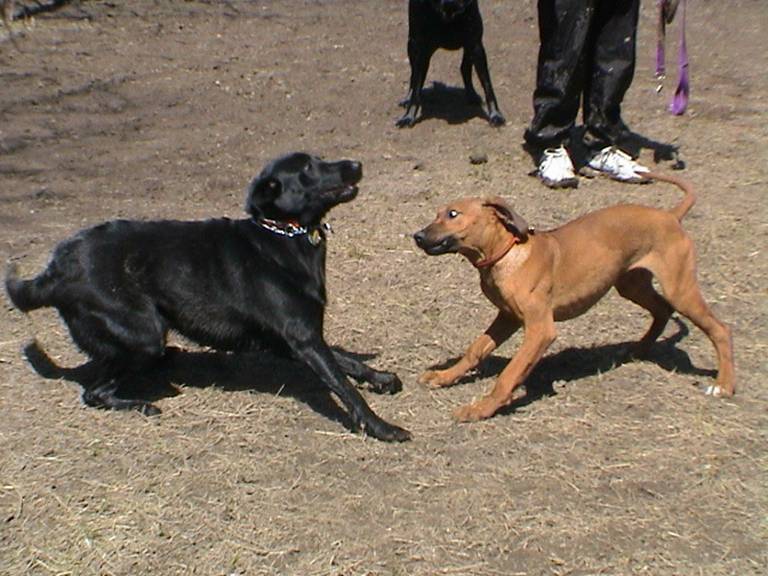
[687,202]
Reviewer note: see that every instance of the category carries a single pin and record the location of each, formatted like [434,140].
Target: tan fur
[559,274]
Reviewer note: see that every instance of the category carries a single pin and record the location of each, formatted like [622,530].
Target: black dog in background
[449,24]
[228,284]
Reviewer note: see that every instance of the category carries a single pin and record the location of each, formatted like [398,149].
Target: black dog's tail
[28,295]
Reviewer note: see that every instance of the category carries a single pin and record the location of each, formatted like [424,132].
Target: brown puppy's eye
[452,214]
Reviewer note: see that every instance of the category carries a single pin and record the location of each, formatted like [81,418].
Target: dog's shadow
[257,372]
[450,104]
[577,363]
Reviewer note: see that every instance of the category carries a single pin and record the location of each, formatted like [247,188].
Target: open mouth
[343,193]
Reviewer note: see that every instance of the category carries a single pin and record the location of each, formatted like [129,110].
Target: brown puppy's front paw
[479,410]
[435,379]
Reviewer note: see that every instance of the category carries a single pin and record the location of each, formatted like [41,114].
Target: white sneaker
[556,169]
[618,165]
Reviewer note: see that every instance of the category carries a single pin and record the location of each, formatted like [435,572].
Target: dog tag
[315,237]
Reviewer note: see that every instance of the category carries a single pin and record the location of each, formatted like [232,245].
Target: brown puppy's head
[470,227]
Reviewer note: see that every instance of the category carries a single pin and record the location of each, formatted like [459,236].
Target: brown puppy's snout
[420,237]
[433,242]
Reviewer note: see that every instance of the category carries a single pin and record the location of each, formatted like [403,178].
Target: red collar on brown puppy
[491,260]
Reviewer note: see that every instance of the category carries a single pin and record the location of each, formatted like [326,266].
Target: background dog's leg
[466,74]
[380,381]
[419,59]
[320,359]
[637,286]
[539,335]
[497,333]
[480,60]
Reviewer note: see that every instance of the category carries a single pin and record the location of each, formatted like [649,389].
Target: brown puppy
[538,278]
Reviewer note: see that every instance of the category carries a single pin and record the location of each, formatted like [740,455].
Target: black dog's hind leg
[466,74]
[105,392]
[123,342]
[480,61]
[321,360]
[379,380]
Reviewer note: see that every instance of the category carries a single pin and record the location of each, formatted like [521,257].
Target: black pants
[587,55]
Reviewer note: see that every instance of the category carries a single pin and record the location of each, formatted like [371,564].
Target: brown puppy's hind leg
[637,286]
[498,332]
[676,273]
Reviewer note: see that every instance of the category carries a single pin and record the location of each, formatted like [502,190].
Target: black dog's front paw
[496,119]
[385,383]
[387,432]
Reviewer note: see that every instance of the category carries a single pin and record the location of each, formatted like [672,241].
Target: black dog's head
[449,9]
[302,188]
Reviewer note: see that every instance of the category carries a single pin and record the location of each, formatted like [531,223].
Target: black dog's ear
[512,220]
[261,192]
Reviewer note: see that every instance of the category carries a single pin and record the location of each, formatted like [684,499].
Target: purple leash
[667,9]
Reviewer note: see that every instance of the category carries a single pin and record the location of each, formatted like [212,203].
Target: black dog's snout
[352,171]
[419,238]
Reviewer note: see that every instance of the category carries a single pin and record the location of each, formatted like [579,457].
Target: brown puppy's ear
[512,220]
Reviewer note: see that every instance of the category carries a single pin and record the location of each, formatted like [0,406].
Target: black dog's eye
[308,167]
[452,213]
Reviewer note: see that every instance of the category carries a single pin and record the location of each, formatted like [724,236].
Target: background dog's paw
[406,121]
[496,120]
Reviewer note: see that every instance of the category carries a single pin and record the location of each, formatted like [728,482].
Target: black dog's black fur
[228,284]
[449,24]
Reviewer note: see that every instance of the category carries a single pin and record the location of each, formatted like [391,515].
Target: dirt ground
[162,109]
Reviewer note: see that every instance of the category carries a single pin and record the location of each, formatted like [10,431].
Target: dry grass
[166,109]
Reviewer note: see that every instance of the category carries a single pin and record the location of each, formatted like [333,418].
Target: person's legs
[563,32]
[611,70]
[611,62]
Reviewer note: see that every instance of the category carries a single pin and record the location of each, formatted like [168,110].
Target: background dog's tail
[688,200]
[28,295]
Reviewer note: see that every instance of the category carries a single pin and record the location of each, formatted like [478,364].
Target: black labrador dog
[229,284]
[449,24]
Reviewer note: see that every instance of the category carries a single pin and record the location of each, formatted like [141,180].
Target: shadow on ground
[576,363]
[260,372]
